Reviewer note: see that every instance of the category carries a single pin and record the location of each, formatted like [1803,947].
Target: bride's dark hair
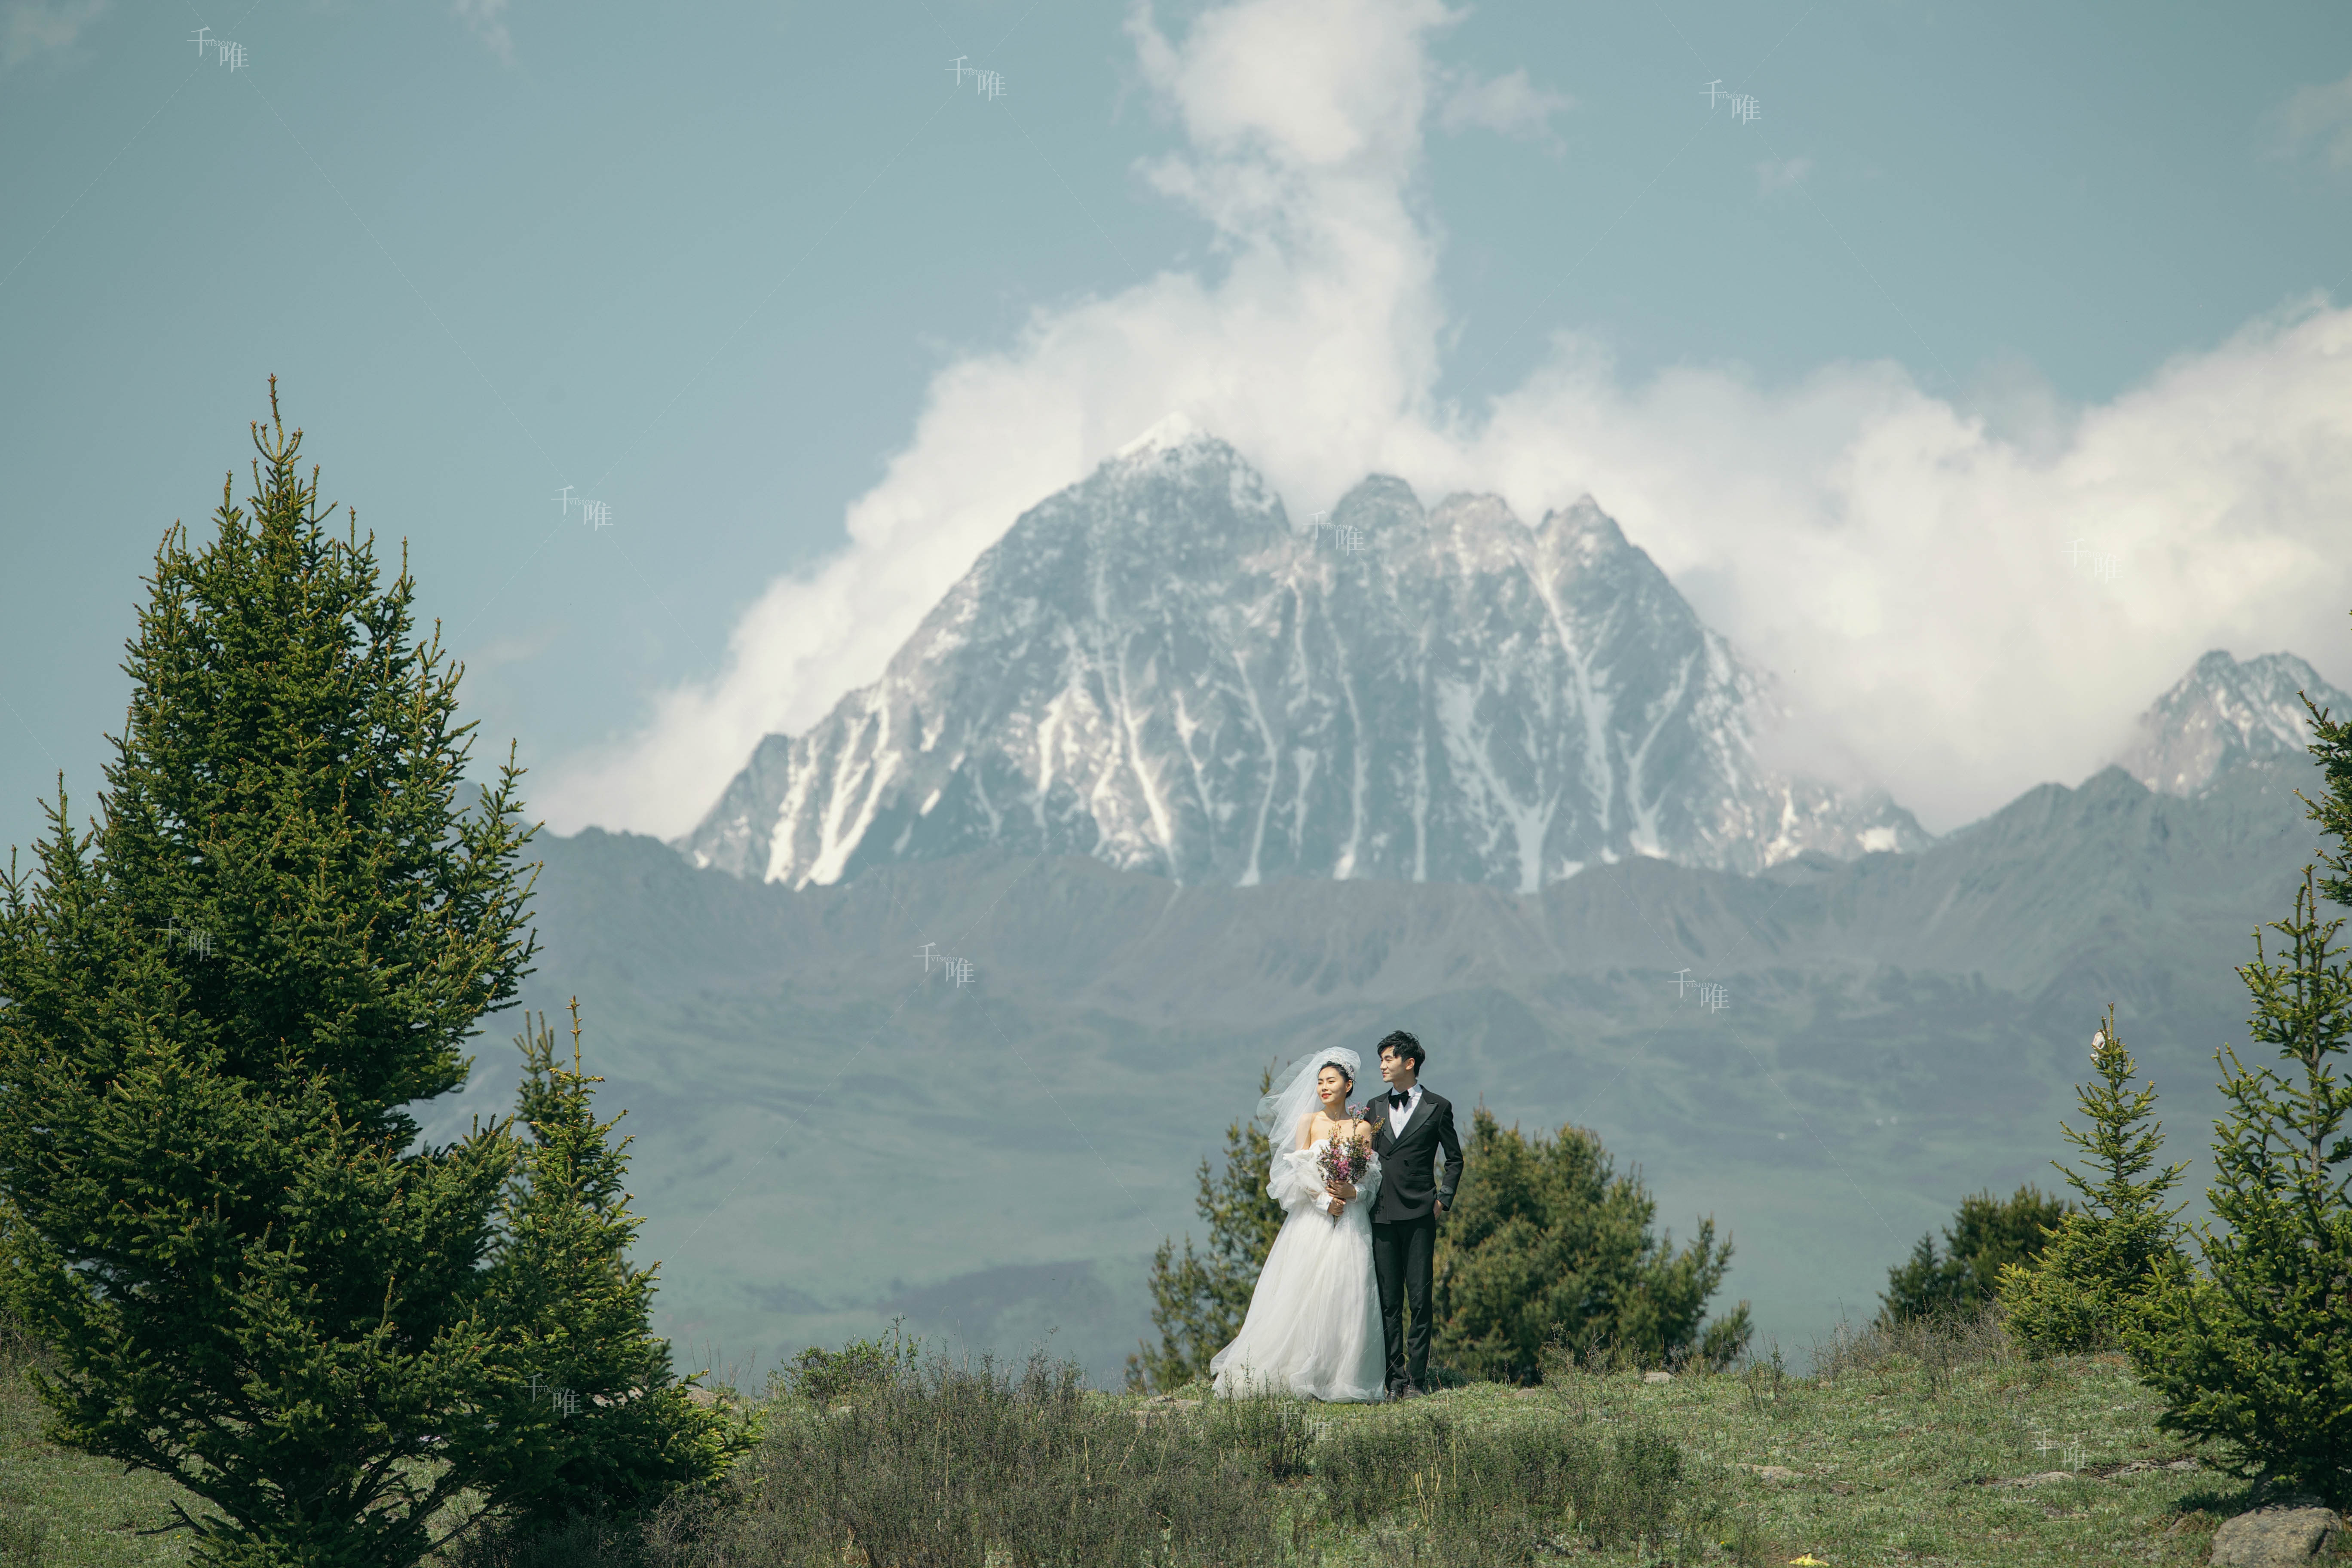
[1342,1068]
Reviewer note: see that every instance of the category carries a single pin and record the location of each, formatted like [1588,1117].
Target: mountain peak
[1150,669]
[1584,515]
[1173,429]
[2225,712]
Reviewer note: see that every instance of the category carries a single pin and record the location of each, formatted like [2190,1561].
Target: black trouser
[1401,1264]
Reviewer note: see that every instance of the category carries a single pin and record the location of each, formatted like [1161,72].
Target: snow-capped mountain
[1155,668]
[2223,712]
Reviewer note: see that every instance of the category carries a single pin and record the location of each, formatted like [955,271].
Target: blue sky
[814,318]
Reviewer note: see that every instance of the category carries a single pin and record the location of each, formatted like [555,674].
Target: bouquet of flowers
[1345,1158]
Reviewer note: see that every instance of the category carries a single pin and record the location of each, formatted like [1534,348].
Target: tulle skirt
[1313,1323]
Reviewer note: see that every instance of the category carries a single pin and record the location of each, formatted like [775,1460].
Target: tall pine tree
[219,1004]
[2255,1350]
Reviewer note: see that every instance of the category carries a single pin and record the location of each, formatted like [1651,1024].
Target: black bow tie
[1398,1097]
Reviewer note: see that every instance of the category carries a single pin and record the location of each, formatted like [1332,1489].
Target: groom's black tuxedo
[1409,1183]
[1404,1224]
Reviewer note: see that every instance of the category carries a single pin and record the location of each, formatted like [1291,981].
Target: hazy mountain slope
[829,1130]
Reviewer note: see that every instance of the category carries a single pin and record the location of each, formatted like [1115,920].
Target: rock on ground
[2275,1538]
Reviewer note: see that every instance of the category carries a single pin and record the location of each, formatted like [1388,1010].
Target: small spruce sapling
[620,1432]
[2080,1291]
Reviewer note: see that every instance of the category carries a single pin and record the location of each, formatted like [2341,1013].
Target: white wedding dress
[1313,1323]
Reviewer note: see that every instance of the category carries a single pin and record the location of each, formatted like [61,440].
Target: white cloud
[487,20]
[1901,563]
[1509,104]
[1908,572]
[30,27]
[1782,175]
[2318,115]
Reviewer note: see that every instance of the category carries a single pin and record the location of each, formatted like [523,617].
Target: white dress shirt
[1400,1114]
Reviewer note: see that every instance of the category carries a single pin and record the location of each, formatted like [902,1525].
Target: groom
[1410,1125]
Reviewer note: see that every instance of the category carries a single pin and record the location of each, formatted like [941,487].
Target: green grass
[59,1508]
[1898,1448]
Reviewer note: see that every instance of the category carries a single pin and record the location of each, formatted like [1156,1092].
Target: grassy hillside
[1931,1448]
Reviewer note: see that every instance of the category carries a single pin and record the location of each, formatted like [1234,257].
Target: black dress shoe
[1410,1392]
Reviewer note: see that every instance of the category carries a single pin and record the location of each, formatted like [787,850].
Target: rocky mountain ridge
[1155,668]
[2226,711]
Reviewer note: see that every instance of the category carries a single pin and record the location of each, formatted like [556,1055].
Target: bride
[1313,1323]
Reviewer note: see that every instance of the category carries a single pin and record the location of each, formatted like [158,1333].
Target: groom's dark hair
[1406,1046]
